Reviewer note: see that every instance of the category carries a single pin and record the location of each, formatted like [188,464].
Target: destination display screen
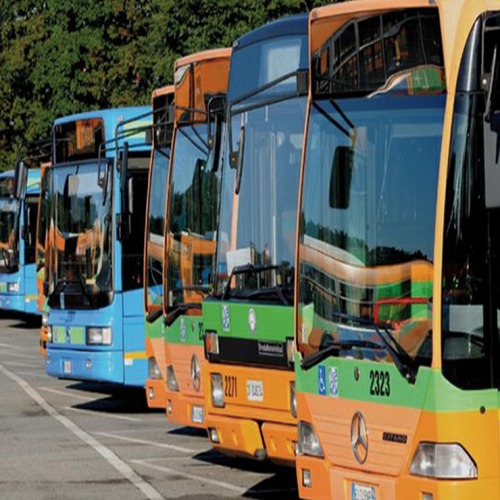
[79,140]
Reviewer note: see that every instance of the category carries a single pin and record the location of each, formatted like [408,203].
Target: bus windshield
[193,202]
[43,246]
[367,224]
[156,229]
[9,235]
[258,214]
[82,270]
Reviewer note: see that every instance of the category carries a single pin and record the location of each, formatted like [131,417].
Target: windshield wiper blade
[404,363]
[64,282]
[278,290]
[316,357]
[246,269]
[153,316]
[179,309]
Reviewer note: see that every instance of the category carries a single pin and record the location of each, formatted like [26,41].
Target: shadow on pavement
[282,483]
[123,400]
[21,321]
[187,431]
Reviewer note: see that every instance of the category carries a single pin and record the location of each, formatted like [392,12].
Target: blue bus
[19,196]
[96,237]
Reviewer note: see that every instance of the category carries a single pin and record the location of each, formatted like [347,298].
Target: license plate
[362,492]
[255,390]
[67,367]
[197,414]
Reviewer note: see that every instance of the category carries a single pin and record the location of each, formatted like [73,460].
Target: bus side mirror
[341,176]
[19,178]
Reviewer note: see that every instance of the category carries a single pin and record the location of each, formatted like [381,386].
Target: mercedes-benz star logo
[359,437]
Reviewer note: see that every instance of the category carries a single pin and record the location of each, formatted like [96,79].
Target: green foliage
[59,57]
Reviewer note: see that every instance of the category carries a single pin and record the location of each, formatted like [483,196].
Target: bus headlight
[172,384]
[13,287]
[99,336]
[154,371]
[217,389]
[195,373]
[293,400]
[50,335]
[308,441]
[45,319]
[443,461]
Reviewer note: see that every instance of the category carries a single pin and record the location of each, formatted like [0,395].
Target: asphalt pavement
[71,440]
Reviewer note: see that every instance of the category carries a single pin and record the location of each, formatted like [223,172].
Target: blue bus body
[18,290]
[69,351]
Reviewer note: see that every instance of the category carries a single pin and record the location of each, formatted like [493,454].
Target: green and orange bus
[190,228]
[248,320]
[397,305]
[154,243]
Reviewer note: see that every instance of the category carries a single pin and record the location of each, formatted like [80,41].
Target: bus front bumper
[185,410]
[155,393]
[98,366]
[246,438]
[11,302]
[320,480]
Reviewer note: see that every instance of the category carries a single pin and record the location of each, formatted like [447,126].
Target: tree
[59,57]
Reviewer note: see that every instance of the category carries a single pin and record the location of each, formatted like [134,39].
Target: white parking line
[124,469]
[18,355]
[24,364]
[148,443]
[32,374]
[193,477]
[101,414]
[10,346]
[65,393]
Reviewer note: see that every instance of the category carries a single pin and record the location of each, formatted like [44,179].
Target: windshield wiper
[179,309]
[153,316]
[335,347]
[403,361]
[246,269]
[64,282]
[277,290]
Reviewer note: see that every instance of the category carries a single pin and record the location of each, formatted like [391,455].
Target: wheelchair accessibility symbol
[322,380]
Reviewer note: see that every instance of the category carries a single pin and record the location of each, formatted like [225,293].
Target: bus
[42,246]
[19,194]
[190,228]
[397,303]
[248,320]
[154,243]
[96,246]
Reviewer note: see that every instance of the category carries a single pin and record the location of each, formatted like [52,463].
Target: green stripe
[192,331]
[154,330]
[431,392]
[273,323]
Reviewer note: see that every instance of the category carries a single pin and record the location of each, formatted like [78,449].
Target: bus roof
[170,89]
[364,7]
[290,25]
[205,55]
[112,118]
